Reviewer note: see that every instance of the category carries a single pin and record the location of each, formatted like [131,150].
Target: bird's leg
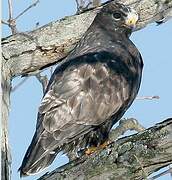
[125,125]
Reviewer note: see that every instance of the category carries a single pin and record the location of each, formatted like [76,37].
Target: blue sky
[154,43]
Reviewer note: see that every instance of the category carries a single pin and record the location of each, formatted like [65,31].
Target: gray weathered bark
[30,51]
[5,103]
[134,157]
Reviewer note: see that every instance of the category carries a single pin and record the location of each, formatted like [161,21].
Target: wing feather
[79,97]
[85,95]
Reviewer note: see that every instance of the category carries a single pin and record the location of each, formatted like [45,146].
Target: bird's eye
[117,16]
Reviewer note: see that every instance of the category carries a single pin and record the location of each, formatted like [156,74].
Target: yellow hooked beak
[131,19]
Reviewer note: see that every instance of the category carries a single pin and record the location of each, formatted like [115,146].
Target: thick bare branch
[27,52]
[5,105]
[133,157]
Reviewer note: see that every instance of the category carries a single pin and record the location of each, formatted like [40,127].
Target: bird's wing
[79,97]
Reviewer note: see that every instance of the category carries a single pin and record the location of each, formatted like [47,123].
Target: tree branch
[43,80]
[168,171]
[5,105]
[5,22]
[147,97]
[27,52]
[11,21]
[19,84]
[83,5]
[133,157]
[10,7]
[25,10]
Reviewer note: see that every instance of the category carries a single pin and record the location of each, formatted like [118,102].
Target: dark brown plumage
[89,91]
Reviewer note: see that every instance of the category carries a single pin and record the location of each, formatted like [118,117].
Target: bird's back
[88,92]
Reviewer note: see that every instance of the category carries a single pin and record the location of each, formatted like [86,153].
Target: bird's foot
[94,149]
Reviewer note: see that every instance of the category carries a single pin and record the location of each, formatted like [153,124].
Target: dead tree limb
[133,157]
[5,105]
[28,52]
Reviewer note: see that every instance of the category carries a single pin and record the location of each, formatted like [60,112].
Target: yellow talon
[93,149]
[104,145]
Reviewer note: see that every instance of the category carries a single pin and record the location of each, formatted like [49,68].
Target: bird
[89,91]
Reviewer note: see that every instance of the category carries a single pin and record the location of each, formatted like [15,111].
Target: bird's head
[117,17]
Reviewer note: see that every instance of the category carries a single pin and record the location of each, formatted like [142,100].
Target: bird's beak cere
[131,19]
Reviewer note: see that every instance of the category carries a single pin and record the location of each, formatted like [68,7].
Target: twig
[145,175]
[37,25]
[79,5]
[19,84]
[51,70]
[11,21]
[82,6]
[161,174]
[125,125]
[43,80]
[5,22]
[96,3]
[29,7]
[10,8]
[147,97]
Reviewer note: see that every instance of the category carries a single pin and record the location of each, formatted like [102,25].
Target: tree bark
[31,51]
[134,157]
[5,105]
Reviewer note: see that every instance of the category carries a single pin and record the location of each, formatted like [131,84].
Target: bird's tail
[36,158]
